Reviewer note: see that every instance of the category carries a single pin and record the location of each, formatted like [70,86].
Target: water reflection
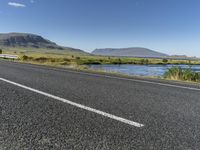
[141,70]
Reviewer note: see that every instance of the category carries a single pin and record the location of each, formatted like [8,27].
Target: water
[141,70]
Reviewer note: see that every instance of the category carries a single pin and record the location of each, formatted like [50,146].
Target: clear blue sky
[169,26]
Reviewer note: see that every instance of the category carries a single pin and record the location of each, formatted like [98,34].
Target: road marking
[135,80]
[119,78]
[123,120]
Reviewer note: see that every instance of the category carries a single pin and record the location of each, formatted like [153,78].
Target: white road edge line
[128,79]
[126,121]
[136,80]
[125,79]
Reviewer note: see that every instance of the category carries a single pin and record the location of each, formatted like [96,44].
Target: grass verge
[178,73]
[79,62]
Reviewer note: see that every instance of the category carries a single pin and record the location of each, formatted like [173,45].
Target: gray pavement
[29,120]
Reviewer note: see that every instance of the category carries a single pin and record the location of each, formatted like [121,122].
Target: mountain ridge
[15,39]
[129,52]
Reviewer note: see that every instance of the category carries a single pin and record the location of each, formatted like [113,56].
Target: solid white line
[136,80]
[129,122]
[125,79]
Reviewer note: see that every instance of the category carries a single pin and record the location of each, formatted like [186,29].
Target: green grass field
[75,60]
[64,57]
[79,61]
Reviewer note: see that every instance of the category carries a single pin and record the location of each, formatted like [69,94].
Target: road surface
[48,108]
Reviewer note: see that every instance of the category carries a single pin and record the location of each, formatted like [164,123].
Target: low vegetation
[90,59]
[178,73]
[61,57]
[78,61]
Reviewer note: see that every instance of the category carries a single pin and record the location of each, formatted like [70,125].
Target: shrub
[53,60]
[66,59]
[144,61]
[174,73]
[188,75]
[196,77]
[177,73]
[165,61]
[1,51]
[41,59]
[24,57]
[120,61]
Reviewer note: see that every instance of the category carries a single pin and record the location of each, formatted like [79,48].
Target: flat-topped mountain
[30,40]
[129,52]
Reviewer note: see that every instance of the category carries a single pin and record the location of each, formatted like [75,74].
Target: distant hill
[30,41]
[129,52]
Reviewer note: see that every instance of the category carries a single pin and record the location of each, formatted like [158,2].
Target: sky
[168,26]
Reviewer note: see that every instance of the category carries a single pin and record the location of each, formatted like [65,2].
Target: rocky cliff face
[31,40]
[26,40]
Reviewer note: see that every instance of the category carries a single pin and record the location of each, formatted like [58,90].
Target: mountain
[129,52]
[30,40]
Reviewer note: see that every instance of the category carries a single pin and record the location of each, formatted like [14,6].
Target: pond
[141,70]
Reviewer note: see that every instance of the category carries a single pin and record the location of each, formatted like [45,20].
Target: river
[141,70]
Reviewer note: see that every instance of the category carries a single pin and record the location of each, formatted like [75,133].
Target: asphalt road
[169,111]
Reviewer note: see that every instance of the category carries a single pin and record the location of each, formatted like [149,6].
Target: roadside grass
[79,61]
[65,57]
[178,73]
